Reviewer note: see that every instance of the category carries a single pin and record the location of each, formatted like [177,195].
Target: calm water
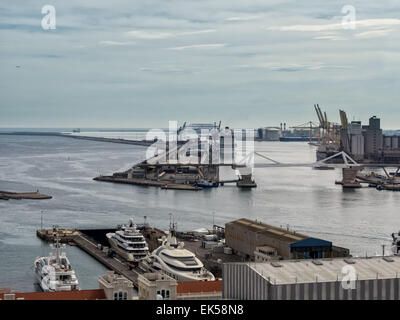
[307,200]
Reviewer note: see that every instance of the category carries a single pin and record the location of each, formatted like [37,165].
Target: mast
[55,230]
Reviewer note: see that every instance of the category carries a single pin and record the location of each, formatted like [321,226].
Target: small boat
[391,187]
[128,242]
[76,130]
[54,272]
[206,184]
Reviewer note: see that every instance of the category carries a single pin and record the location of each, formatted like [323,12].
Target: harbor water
[300,198]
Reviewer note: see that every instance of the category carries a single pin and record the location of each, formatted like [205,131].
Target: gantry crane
[330,130]
[311,126]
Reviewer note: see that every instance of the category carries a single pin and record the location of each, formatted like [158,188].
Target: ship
[172,259]
[55,272]
[128,242]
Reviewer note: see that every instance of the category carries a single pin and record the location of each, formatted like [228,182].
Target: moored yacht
[54,272]
[129,243]
[396,243]
[177,262]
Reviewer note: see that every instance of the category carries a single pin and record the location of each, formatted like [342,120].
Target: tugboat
[129,243]
[206,184]
[54,272]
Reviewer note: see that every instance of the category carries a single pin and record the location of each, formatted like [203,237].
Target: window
[120,295]
[167,294]
[125,295]
[115,296]
[163,293]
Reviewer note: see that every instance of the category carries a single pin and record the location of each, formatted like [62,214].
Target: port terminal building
[257,241]
[371,278]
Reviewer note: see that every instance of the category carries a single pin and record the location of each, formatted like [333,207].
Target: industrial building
[373,138]
[372,278]
[367,142]
[245,237]
[268,134]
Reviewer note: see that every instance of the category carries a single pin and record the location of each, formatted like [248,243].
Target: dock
[145,143]
[112,263]
[94,243]
[142,182]
[181,187]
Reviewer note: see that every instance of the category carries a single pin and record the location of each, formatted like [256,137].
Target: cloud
[151,34]
[188,33]
[142,34]
[285,67]
[200,46]
[291,67]
[220,55]
[374,33]
[244,17]
[330,37]
[109,43]
[366,23]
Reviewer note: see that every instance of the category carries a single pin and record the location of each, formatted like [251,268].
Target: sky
[248,63]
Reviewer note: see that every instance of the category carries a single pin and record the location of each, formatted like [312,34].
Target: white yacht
[54,272]
[177,262]
[396,243]
[129,243]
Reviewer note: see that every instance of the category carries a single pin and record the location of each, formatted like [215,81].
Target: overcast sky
[249,63]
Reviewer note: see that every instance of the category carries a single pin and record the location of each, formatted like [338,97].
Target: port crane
[330,130]
[312,127]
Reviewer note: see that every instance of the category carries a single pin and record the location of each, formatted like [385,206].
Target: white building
[375,278]
[116,287]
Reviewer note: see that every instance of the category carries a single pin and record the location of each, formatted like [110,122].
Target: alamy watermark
[349,20]
[350,277]
[191,145]
[49,20]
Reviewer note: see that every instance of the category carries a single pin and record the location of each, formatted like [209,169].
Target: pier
[145,143]
[113,263]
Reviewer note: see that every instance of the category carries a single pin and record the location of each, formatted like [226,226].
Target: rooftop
[97,294]
[271,231]
[199,286]
[111,278]
[327,270]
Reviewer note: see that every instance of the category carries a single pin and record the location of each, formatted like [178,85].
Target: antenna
[55,233]
[213,219]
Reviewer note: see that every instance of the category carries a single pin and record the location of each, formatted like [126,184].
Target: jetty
[6,195]
[145,143]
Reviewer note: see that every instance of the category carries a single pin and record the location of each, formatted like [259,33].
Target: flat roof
[326,270]
[199,286]
[256,226]
[97,294]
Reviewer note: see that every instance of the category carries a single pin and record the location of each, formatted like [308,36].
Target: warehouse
[244,236]
[374,278]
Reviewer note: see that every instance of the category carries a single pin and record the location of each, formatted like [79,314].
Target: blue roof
[311,242]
